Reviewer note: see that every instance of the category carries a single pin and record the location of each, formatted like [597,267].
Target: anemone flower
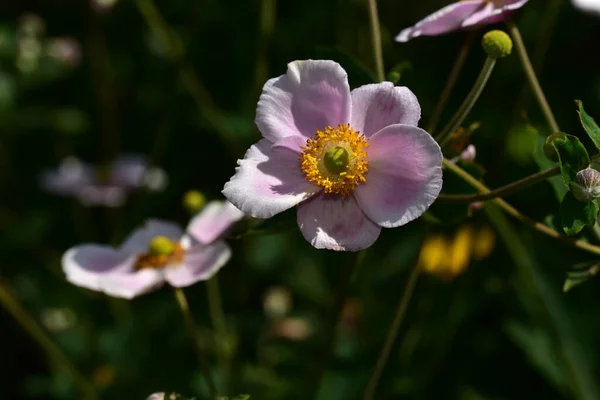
[353,161]
[108,187]
[158,252]
[462,15]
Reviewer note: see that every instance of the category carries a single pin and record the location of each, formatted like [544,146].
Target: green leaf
[577,277]
[575,215]
[588,123]
[572,157]
[544,163]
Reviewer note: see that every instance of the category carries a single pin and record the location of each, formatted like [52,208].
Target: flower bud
[549,150]
[587,187]
[468,154]
[497,44]
[193,201]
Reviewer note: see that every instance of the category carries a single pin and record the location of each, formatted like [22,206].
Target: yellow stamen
[335,159]
[162,252]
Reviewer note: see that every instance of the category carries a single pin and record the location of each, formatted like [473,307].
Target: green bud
[336,159]
[497,44]
[193,201]
[161,246]
[549,150]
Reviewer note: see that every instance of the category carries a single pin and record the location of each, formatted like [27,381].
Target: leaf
[572,157]
[575,215]
[581,274]
[544,163]
[588,123]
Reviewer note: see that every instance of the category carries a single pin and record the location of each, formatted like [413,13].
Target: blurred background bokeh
[177,82]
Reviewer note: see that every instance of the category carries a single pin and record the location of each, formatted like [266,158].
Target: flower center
[161,252]
[335,159]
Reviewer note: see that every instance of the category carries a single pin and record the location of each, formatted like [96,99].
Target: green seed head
[336,159]
[497,44]
[161,246]
[193,201]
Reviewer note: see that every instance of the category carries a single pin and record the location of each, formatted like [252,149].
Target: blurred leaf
[575,278]
[575,215]
[572,157]
[588,123]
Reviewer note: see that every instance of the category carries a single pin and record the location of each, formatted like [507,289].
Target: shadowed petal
[312,94]
[328,222]
[269,179]
[378,105]
[200,263]
[140,239]
[213,221]
[447,19]
[404,177]
[128,171]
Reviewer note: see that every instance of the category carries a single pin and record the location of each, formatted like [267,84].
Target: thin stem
[451,81]
[545,229]
[501,191]
[469,102]
[219,324]
[330,334]
[53,352]
[531,77]
[386,350]
[268,11]
[376,38]
[193,331]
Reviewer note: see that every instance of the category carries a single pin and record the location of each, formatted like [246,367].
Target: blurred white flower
[591,6]
[102,6]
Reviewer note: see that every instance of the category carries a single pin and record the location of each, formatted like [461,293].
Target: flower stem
[376,38]
[53,352]
[384,355]
[531,77]
[451,81]
[193,331]
[545,229]
[330,330]
[219,324]
[501,191]
[469,102]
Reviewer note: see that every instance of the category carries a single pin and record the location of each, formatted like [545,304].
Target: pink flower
[156,253]
[353,161]
[462,15]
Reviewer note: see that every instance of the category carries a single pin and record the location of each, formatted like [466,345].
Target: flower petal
[200,263]
[68,178]
[269,179]
[493,13]
[591,6]
[447,19]
[128,171]
[133,284]
[404,177]
[378,105]
[213,221]
[328,222]
[140,239]
[312,94]
[84,265]
[101,195]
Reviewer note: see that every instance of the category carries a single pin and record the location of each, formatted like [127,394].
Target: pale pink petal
[378,105]
[312,94]
[269,179]
[128,171]
[590,6]
[201,263]
[328,222]
[130,285]
[70,176]
[140,239]
[213,221]
[404,177]
[447,19]
[84,265]
[494,12]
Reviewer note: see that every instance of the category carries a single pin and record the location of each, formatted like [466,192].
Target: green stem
[193,332]
[53,352]
[219,324]
[501,191]
[545,229]
[376,38]
[469,102]
[450,82]
[268,10]
[531,76]
[330,332]
[386,350]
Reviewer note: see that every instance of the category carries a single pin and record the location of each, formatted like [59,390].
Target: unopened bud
[468,154]
[497,44]
[549,150]
[587,187]
[193,201]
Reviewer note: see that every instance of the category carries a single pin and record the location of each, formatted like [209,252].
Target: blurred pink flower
[93,186]
[461,15]
[353,161]
[65,50]
[158,252]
